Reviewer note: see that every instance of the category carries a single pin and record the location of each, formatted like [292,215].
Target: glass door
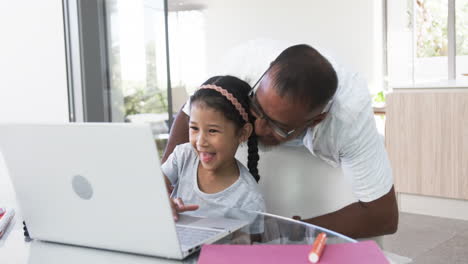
[138,73]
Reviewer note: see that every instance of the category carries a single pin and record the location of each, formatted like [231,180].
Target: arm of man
[361,219]
[179,134]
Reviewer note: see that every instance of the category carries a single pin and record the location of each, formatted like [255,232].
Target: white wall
[33,83]
[351,30]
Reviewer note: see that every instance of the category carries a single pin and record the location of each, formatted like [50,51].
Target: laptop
[100,185]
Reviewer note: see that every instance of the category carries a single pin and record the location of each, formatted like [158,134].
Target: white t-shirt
[181,169]
[348,137]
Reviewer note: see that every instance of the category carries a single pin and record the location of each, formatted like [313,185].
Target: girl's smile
[206,157]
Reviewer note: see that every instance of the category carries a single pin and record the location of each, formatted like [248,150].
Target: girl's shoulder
[185,151]
[245,175]
[250,185]
[185,157]
[252,198]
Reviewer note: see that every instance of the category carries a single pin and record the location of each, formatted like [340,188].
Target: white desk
[15,250]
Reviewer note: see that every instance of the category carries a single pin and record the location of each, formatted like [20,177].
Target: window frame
[88,67]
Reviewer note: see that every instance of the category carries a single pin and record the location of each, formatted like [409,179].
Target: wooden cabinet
[427,141]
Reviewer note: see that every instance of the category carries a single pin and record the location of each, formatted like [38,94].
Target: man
[303,98]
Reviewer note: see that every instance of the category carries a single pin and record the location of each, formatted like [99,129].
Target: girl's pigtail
[253,157]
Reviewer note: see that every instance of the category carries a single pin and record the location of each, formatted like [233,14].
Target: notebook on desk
[100,185]
[366,252]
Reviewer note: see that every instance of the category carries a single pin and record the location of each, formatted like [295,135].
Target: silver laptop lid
[91,184]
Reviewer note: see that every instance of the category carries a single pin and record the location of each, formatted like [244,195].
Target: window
[187,53]
[430,40]
[137,60]
[117,62]
[461,25]
[427,41]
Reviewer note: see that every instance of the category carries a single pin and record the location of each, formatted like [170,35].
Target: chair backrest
[294,182]
[179,98]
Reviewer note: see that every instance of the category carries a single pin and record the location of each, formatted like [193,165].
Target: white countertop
[450,84]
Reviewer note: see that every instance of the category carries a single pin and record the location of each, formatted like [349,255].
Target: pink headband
[230,97]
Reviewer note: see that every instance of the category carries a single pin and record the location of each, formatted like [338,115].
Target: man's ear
[245,132]
[319,119]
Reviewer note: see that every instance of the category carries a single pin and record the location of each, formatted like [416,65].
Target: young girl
[204,171]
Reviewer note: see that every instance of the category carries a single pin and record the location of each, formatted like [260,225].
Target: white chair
[294,182]
[179,97]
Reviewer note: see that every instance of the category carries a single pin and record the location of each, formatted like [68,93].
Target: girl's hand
[178,206]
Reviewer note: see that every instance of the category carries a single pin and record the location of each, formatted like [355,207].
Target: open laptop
[100,185]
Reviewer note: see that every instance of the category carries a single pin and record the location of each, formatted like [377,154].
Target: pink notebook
[366,252]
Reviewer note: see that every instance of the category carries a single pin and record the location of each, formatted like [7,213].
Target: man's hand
[178,206]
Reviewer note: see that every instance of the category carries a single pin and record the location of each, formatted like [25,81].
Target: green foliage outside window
[431,28]
[143,100]
[461,21]
[139,96]
[379,97]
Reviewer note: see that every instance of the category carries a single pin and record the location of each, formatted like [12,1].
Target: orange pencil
[317,248]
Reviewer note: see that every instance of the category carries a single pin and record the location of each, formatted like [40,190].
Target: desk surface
[277,230]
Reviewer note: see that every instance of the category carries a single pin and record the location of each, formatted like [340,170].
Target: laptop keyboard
[190,237]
